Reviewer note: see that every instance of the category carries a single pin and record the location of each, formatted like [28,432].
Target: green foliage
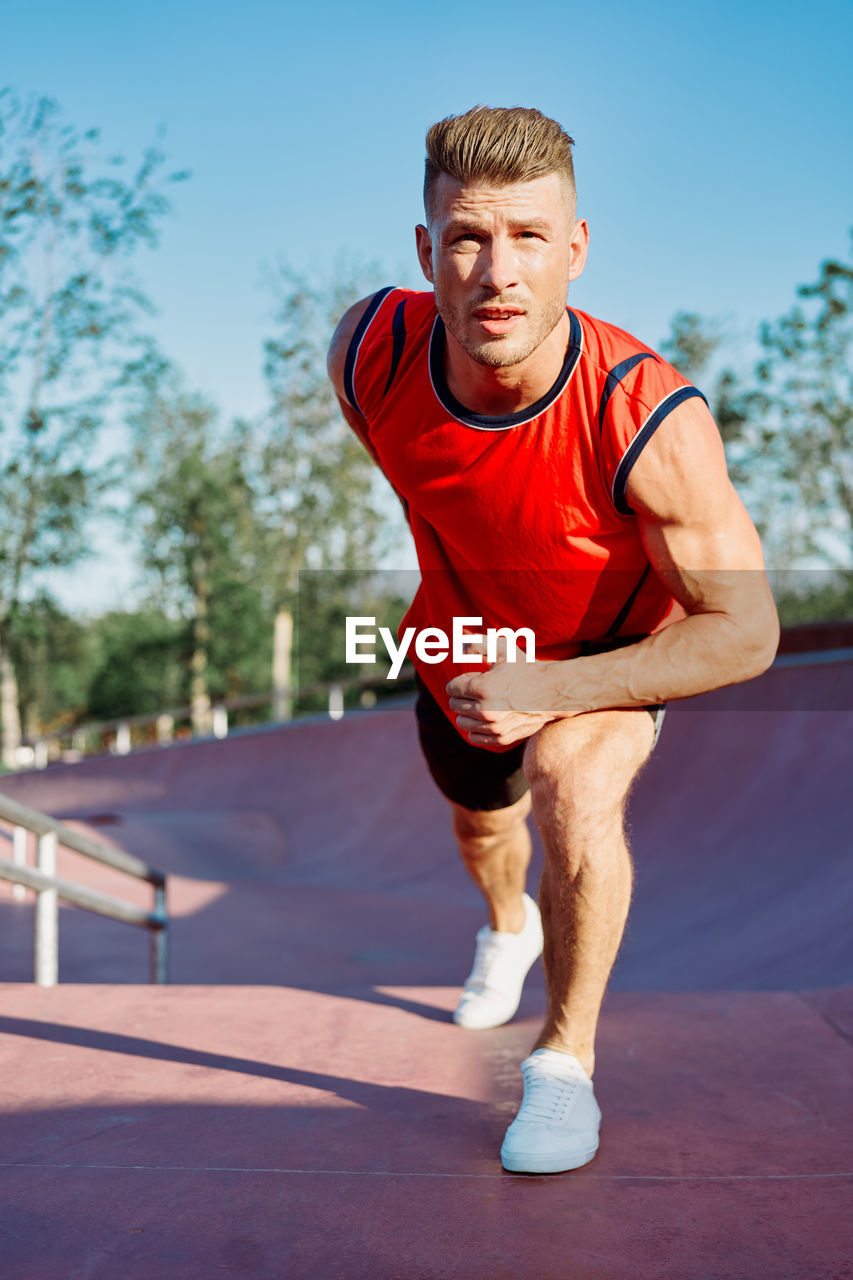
[690,344]
[138,668]
[788,428]
[193,505]
[802,416]
[239,648]
[53,655]
[325,600]
[227,517]
[69,311]
[320,499]
[194,514]
[813,596]
[694,345]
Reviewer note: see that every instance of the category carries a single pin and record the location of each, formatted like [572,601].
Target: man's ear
[423,241]
[580,248]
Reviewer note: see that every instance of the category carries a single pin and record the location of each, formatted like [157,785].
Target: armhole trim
[641,439]
[614,377]
[356,341]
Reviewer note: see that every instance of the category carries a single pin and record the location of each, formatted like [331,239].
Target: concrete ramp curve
[298,1104]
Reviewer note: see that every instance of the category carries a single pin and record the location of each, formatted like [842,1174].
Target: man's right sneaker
[492,989]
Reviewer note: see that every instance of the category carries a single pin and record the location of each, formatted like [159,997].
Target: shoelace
[546,1098]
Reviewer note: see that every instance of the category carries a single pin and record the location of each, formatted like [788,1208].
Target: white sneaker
[557,1125]
[492,989]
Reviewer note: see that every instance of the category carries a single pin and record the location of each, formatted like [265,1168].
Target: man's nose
[499,269]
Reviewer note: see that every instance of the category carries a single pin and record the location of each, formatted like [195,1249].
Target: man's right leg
[495,847]
[489,797]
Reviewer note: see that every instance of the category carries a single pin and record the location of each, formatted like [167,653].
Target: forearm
[701,652]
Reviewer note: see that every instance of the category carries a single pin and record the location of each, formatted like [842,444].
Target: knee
[564,763]
[585,765]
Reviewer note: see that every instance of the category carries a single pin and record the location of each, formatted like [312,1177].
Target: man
[557,475]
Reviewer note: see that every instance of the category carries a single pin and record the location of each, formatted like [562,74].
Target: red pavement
[301,1106]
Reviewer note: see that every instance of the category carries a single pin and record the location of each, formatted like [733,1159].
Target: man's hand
[505,704]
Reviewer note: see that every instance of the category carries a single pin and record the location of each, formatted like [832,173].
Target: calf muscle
[580,775]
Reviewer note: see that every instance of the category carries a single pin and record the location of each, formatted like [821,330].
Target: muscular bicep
[697,533]
[336,366]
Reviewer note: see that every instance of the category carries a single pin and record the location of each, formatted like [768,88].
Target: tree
[70,344]
[801,414]
[193,511]
[321,501]
[138,666]
[691,342]
[230,517]
[788,431]
[694,345]
[53,655]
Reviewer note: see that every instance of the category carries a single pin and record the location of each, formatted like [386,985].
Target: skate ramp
[740,830]
[299,1105]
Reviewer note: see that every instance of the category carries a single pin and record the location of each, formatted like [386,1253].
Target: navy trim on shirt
[641,439]
[619,621]
[356,341]
[487,422]
[614,377]
[398,329]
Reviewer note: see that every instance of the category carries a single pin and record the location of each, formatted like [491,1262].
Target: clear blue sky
[712,143]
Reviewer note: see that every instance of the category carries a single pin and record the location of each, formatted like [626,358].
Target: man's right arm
[336,364]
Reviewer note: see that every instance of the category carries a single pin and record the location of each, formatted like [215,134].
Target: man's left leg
[580,771]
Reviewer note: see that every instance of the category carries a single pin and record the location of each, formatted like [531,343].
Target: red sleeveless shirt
[521,520]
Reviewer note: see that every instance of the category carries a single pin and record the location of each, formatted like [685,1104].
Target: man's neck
[496,391]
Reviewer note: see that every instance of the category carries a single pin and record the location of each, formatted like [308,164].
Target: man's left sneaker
[557,1126]
[492,989]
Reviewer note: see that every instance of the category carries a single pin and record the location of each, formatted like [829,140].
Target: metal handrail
[50,888]
[332,689]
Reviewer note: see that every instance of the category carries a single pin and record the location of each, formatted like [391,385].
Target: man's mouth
[497,320]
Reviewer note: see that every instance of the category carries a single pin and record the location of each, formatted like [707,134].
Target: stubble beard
[504,350]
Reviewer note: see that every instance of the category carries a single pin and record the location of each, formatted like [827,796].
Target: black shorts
[476,778]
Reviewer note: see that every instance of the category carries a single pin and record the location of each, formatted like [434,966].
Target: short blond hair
[498,145]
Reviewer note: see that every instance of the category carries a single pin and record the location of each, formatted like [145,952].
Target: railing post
[219,722]
[165,728]
[20,842]
[160,939]
[336,702]
[47,917]
[40,754]
[123,740]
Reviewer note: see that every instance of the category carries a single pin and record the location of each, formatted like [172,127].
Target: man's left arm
[702,544]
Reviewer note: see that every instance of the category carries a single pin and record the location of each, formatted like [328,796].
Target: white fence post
[20,842]
[47,917]
[165,728]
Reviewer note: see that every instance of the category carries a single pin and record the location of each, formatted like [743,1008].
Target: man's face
[500,260]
